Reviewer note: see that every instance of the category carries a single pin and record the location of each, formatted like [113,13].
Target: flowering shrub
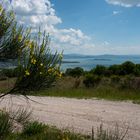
[40,68]
[37,66]
[12,36]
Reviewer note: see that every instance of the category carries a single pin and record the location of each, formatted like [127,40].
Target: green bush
[137,70]
[5,125]
[33,128]
[99,70]
[115,69]
[91,80]
[37,66]
[127,68]
[115,79]
[115,134]
[75,72]
[10,72]
[40,68]
[127,82]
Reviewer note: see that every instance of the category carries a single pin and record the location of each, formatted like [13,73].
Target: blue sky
[115,24]
[85,26]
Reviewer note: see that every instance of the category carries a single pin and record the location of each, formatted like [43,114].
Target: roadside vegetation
[101,82]
[18,126]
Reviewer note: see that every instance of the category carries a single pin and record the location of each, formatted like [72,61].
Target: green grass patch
[38,131]
[103,92]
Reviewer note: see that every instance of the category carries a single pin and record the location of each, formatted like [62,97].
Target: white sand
[81,115]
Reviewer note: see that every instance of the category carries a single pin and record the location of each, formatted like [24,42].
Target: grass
[33,130]
[108,93]
[65,87]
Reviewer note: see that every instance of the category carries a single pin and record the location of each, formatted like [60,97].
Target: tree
[37,66]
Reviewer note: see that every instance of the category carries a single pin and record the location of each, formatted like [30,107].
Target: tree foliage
[37,66]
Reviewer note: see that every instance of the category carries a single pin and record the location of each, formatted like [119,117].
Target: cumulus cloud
[125,3]
[40,13]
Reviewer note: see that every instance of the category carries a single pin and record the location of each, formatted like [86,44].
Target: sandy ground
[81,115]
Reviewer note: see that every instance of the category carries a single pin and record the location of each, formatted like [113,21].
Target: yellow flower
[60,74]
[33,61]
[41,64]
[50,70]
[20,38]
[30,45]
[1,9]
[40,73]
[27,73]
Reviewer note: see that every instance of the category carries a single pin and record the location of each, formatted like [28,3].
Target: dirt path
[80,115]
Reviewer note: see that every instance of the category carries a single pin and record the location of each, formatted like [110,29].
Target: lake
[88,62]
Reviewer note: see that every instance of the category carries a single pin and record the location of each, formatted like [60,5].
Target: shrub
[5,125]
[137,70]
[75,72]
[127,82]
[33,128]
[99,70]
[127,68]
[115,134]
[10,72]
[40,68]
[91,80]
[115,79]
[115,69]
[12,36]
[21,115]
[37,66]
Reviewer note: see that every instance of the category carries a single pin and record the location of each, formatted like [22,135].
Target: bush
[5,125]
[115,79]
[75,72]
[127,68]
[137,70]
[91,80]
[10,72]
[99,70]
[127,82]
[33,128]
[115,69]
[37,66]
[40,68]
[115,134]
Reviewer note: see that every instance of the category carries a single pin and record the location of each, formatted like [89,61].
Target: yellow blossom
[27,73]
[30,45]
[50,70]
[40,73]
[41,64]
[60,75]
[20,38]
[33,61]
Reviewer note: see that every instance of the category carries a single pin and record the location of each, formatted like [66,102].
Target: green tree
[37,66]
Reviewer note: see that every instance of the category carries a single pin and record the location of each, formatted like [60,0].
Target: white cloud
[40,13]
[116,13]
[124,3]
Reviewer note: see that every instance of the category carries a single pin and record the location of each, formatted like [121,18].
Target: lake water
[88,62]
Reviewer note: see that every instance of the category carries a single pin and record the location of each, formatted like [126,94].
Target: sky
[84,26]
